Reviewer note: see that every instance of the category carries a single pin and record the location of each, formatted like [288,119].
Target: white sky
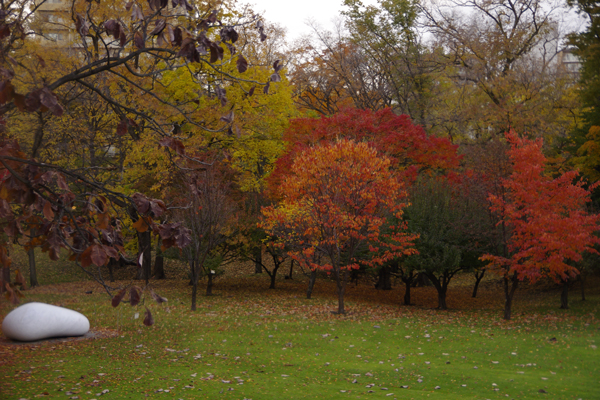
[293,14]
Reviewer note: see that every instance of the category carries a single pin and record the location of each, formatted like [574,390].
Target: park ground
[249,342]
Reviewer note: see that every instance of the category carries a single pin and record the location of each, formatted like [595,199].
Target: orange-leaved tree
[543,220]
[337,198]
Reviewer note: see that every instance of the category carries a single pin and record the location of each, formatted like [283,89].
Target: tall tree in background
[372,59]
[387,35]
[587,44]
[501,56]
[332,73]
[543,220]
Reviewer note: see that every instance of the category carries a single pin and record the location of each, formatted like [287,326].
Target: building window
[55,36]
[55,18]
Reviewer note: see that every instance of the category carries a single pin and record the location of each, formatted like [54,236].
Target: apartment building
[54,19]
[569,62]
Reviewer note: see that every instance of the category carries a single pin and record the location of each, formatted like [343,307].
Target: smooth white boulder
[35,321]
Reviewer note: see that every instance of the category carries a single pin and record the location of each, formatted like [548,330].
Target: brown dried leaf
[135,295]
[48,213]
[98,255]
[116,300]
[242,64]
[148,319]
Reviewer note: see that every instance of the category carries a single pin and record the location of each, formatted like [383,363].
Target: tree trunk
[582,279]
[510,286]
[408,282]
[272,276]
[159,262]
[194,282]
[257,254]
[276,265]
[384,282]
[290,274]
[194,295]
[209,284]
[341,279]
[33,281]
[478,277]
[111,267]
[5,278]
[564,295]
[441,289]
[442,299]
[145,246]
[354,276]
[407,285]
[311,283]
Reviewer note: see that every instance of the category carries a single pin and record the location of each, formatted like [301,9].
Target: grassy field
[248,342]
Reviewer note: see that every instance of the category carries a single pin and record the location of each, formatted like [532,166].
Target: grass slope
[252,343]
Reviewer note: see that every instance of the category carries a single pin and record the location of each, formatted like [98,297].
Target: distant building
[54,17]
[568,61]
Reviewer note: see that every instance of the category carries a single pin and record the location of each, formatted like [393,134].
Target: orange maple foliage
[544,220]
[336,200]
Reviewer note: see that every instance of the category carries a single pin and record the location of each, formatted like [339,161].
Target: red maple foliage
[544,220]
[409,147]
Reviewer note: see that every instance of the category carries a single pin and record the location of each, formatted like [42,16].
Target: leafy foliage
[410,149]
[121,69]
[336,199]
[587,48]
[544,220]
[435,214]
[499,56]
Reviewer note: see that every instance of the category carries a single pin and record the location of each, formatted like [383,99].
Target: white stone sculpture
[35,321]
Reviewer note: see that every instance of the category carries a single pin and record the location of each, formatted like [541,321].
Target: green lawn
[251,343]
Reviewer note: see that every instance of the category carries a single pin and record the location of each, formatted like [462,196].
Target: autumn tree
[121,59]
[545,226]
[83,138]
[586,44]
[249,134]
[386,34]
[205,204]
[501,57]
[332,73]
[410,148]
[337,198]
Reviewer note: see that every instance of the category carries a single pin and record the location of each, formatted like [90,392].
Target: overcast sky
[293,14]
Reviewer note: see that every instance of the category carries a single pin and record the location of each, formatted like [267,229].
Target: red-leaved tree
[337,198]
[543,220]
[407,145]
